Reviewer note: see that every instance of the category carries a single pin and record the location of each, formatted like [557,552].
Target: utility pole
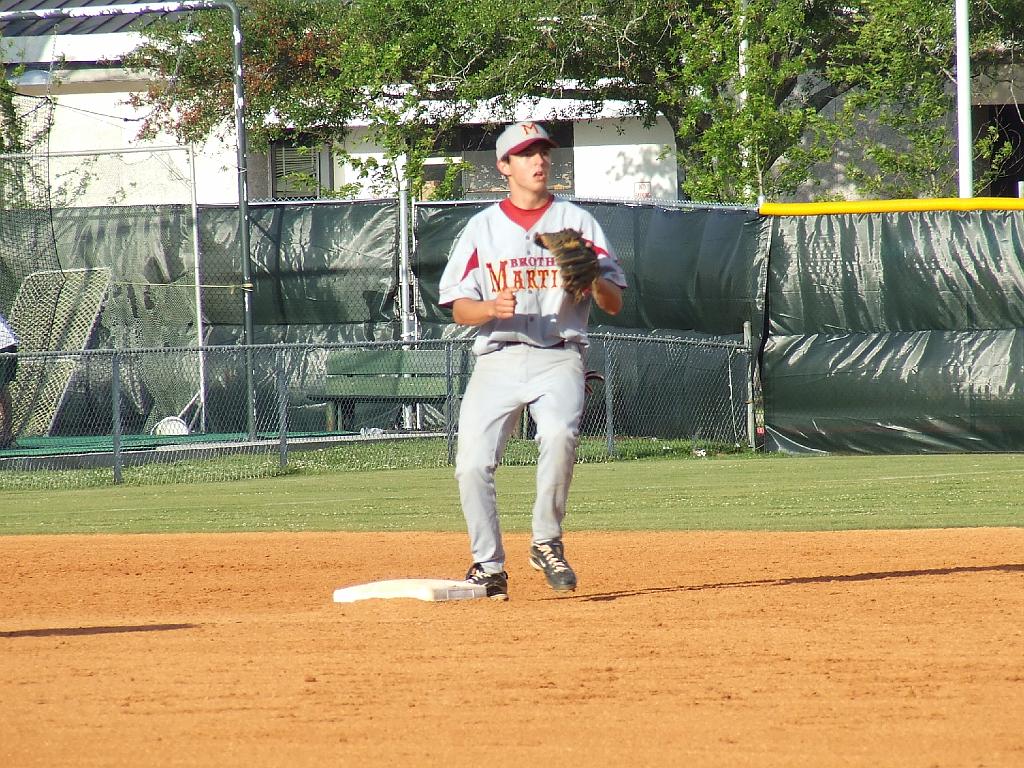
[965,132]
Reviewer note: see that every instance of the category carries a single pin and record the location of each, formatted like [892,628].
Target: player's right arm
[481,311]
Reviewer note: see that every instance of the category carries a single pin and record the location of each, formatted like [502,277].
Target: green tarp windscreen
[895,332]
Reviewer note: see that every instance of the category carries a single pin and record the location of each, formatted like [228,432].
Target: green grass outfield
[771,493]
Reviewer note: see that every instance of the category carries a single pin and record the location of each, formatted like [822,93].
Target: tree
[24,123]
[311,69]
[902,73]
[11,123]
[812,73]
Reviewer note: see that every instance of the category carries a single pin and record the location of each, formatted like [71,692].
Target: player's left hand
[576,258]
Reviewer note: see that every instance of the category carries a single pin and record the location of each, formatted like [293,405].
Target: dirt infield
[900,648]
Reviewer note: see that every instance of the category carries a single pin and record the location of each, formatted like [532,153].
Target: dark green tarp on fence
[688,269]
[323,272]
[328,264]
[896,332]
[691,273]
[886,332]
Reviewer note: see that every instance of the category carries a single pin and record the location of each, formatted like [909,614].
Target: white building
[75,63]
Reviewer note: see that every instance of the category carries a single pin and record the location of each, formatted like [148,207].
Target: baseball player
[8,367]
[529,347]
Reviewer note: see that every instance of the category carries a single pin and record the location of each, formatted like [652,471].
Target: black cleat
[549,556]
[496,583]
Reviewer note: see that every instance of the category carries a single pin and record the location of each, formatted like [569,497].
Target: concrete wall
[98,124]
[624,160]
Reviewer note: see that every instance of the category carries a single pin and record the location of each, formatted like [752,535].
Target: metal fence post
[748,342]
[609,396]
[115,410]
[405,276]
[449,416]
[411,415]
[732,399]
[282,415]
[197,272]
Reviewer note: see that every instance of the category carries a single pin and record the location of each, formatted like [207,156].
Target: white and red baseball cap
[519,136]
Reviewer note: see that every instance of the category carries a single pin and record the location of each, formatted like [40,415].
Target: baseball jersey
[496,250]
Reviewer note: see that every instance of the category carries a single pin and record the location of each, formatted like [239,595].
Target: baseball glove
[576,259]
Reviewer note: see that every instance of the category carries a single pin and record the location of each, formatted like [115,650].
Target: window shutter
[289,162]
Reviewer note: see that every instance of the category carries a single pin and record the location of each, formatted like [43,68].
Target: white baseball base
[431,590]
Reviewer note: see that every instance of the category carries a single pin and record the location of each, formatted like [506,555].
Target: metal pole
[609,399]
[748,342]
[732,399]
[410,414]
[115,414]
[743,96]
[404,266]
[965,131]
[199,292]
[245,251]
[449,406]
[241,145]
[282,415]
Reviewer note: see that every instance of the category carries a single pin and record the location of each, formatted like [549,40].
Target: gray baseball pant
[550,383]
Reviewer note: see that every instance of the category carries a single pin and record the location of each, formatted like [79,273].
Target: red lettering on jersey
[531,279]
[499,279]
[517,282]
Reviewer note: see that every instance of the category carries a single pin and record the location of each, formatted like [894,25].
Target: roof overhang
[41,82]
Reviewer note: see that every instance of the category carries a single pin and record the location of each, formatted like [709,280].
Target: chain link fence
[108,419]
[132,309]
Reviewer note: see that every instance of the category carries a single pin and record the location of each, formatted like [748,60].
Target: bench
[390,376]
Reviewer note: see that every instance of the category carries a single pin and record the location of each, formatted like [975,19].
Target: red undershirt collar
[524,218]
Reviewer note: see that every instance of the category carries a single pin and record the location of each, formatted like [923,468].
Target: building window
[304,170]
[435,169]
[1009,122]
[299,171]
